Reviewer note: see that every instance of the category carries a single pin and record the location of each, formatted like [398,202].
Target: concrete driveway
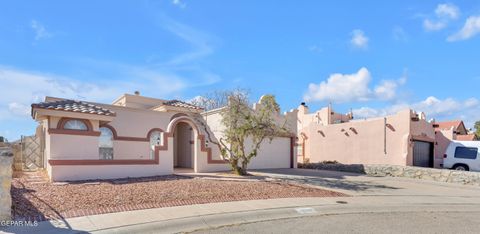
[376,205]
[362,185]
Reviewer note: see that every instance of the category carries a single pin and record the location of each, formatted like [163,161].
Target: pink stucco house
[405,138]
[139,136]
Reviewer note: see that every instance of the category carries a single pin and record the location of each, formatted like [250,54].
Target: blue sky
[375,57]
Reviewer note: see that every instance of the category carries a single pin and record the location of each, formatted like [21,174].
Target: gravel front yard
[52,201]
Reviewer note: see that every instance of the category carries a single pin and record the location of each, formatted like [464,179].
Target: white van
[462,156]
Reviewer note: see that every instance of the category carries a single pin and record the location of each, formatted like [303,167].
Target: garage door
[422,154]
[274,154]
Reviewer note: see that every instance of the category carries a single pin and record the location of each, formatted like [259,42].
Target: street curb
[219,217]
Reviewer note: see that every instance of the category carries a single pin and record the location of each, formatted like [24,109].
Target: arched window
[156,139]
[105,144]
[75,124]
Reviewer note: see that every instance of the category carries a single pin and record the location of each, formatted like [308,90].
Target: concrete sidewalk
[195,217]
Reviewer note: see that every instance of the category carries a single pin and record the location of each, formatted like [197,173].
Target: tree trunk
[238,171]
[244,167]
[235,168]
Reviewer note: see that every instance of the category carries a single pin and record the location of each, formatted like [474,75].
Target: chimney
[137,93]
[303,108]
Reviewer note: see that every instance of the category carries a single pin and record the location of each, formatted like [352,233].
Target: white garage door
[275,154]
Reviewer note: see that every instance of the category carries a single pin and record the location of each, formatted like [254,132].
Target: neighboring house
[405,138]
[456,130]
[457,127]
[447,131]
[467,137]
[138,136]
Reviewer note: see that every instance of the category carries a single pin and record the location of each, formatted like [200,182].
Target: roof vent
[137,93]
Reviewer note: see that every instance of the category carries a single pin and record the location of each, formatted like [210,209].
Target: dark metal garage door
[422,154]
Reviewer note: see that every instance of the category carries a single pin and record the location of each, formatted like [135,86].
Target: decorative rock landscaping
[441,175]
[42,201]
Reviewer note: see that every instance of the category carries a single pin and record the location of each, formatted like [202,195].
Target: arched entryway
[184,146]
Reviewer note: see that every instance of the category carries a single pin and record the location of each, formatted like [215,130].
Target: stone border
[106,210]
[440,175]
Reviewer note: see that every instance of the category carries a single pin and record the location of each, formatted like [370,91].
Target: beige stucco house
[138,136]
[405,138]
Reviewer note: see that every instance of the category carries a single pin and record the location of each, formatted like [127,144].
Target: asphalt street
[381,222]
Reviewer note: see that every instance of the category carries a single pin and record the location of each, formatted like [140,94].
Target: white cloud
[447,10]
[446,109]
[39,30]
[444,13]
[179,3]
[19,109]
[366,112]
[471,102]
[386,90]
[430,25]
[359,40]
[21,88]
[435,106]
[469,30]
[353,87]
[341,87]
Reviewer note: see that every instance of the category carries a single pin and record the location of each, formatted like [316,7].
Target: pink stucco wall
[443,139]
[367,141]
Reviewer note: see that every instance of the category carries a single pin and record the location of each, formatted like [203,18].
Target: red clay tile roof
[74,106]
[178,103]
[449,124]
[468,137]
